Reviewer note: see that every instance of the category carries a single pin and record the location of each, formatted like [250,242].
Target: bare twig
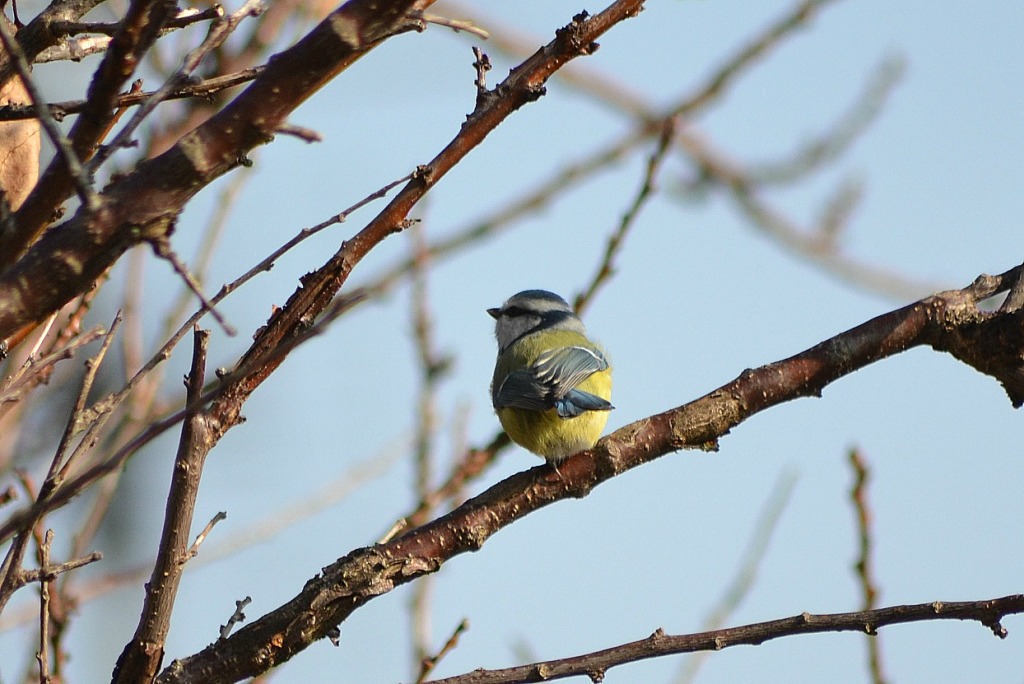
[193,550]
[44,613]
[454,24]
[15,387]
[865,572]
[162,248]
[51,572]
[60,465]
[988,613]
[301,132]
[184,18]
[103,408]
[236,617]
[259,531]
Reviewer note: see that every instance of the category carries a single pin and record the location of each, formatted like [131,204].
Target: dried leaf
[19,148]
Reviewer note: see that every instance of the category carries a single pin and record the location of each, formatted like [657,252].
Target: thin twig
[162,248]
[79,175]
[259,531]
[60,466]
[51,572]
[19,383]
[456,25]
[988,613]
[301,132]
[193,550]
[44,612]
[185,17]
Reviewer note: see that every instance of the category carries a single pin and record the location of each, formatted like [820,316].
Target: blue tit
[551,383]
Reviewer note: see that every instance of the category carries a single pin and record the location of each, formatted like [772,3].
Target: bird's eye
[514,311]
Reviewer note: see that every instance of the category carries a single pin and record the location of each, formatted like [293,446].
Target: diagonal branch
[145,203]
[139,30]
[341,588]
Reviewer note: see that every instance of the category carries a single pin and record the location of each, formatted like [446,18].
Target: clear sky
[699,296]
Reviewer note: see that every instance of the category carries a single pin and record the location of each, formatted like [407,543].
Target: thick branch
[145,203]
[329,598]
[139,30]
[143,655]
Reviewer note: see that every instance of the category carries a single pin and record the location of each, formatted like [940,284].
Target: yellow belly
[554,438]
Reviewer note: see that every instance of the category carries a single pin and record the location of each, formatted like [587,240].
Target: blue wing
[551,383]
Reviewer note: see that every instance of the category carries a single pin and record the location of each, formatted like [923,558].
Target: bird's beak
[494,313]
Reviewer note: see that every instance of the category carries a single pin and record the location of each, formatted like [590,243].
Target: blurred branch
[988,613]
[428,663]
[144,203]
[139,30]
[865,572]
[432,368]
[747,569]
[811,157]
[829,145]
[814,245]
[258,531]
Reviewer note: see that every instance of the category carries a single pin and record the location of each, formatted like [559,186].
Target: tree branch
[143,655]
[595,664]
[352,581]
[144,204]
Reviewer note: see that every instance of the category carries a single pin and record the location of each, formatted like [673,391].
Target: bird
[552,384]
